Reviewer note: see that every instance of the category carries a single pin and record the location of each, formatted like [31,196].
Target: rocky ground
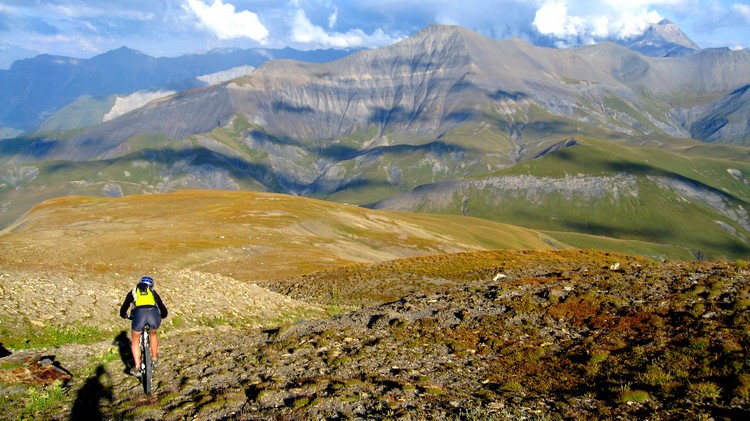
[506,335]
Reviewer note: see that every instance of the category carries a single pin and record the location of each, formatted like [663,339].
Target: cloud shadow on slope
[27,147]
[286,107]
[652,234]
[501,94]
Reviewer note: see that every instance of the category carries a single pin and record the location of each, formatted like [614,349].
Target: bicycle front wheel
[148,368]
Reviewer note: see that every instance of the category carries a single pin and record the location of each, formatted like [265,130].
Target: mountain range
[601,145]
[33,89]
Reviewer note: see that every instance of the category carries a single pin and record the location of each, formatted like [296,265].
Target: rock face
[725,118]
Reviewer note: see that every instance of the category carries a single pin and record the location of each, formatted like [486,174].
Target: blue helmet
[147,280]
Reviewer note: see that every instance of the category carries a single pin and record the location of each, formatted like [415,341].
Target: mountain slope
[609,190]
[724,118]
[32,89]
[250,235]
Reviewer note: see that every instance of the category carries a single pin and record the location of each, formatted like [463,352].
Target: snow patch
[226,75]
[125,104]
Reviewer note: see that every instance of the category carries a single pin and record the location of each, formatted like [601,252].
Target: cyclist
[148,308]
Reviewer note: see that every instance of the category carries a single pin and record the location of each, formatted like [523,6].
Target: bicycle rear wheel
[147,367]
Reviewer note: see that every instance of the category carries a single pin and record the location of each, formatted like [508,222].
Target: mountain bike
[147,367]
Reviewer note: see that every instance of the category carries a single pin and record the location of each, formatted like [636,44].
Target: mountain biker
[148,308]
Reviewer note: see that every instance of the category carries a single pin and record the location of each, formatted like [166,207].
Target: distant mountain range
[10,53]
[34,89]
[601,145]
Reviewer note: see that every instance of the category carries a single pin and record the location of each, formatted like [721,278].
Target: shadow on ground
[123,345]
[91,396]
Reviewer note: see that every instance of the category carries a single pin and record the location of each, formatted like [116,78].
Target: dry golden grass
[249,236]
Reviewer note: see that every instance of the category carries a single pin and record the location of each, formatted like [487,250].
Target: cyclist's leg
[135,348]
[154,344]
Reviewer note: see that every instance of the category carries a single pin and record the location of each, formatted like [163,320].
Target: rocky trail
[563,337]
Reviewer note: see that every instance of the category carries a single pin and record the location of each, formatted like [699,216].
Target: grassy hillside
[249,236]
[649,195]
[83,112]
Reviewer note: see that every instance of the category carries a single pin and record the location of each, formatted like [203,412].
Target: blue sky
[84,28]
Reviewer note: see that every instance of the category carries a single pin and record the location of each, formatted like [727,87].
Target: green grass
[634,247]
[111,354]
[743,386]
[637,396]
[653,223]
[704,390]
[598,357]
[39,401]
[246,235]
[51,336]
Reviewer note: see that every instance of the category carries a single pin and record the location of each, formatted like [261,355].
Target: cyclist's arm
[126,305]
[159,303]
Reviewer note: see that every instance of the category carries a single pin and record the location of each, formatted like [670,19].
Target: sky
[85,28]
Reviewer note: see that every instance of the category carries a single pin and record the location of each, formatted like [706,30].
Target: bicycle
[147,367]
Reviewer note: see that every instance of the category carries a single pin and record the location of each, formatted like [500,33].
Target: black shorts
[143,316]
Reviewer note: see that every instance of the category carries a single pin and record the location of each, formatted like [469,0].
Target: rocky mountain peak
[436,40]
[663,39]
[671,32]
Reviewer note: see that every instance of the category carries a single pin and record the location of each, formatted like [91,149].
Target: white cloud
[587,21]
[167,27]
[742,11]
[553,19]
[306,32]
[717,18]
[225,23]
[333,18]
